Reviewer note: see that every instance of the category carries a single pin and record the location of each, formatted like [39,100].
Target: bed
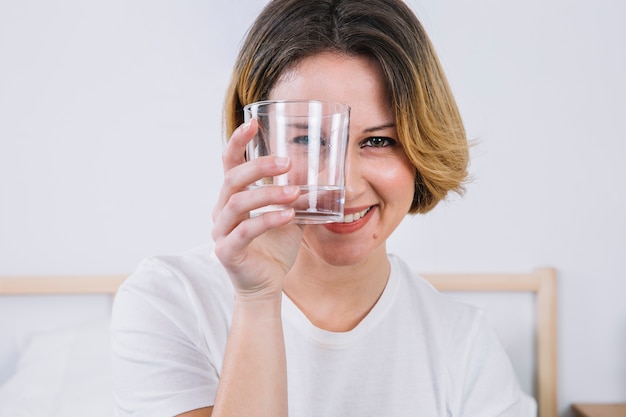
[54,350]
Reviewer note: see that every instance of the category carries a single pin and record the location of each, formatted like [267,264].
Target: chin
[341,255]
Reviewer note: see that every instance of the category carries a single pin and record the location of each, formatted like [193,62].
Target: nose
[355,183]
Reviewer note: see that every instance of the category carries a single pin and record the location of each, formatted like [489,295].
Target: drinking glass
[313,135]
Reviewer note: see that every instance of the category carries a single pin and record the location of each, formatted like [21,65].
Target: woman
[319,320]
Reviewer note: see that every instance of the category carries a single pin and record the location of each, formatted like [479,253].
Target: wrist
[259,304]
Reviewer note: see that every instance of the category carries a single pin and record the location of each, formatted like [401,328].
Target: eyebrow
[372,129]
[381,127]
[298,125]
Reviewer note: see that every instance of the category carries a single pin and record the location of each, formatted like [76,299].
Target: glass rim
[338,107]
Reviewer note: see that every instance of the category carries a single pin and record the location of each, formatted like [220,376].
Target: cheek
[298,174]
[398,178]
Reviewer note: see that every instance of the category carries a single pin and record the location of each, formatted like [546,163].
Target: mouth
[349,218]
[351,222]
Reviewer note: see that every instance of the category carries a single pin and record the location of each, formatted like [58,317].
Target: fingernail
[287,212]
[291,189]
[281,161]
[245,126]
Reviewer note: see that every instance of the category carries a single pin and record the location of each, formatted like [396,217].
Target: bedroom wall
[110,139]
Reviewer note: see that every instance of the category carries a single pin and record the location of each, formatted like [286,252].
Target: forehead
[355,80]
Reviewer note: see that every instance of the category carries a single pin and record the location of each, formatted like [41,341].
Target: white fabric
[62,373]
[417,353]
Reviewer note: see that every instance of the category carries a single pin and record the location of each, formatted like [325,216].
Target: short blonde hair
[427,118]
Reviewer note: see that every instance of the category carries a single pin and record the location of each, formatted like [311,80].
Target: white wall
[110,137]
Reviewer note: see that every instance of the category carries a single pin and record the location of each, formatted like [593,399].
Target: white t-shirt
[417,353]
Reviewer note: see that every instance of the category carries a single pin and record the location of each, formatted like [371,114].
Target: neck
[336,298]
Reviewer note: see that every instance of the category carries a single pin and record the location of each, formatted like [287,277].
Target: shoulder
[454,328]
[179,288]
[437,308]
[476,367]
[192,272]
[170,318]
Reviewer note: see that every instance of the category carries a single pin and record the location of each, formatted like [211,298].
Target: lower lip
[344,228]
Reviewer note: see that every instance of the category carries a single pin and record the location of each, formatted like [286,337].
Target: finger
[231,250]
[241,176]
[237,209]
[234,153]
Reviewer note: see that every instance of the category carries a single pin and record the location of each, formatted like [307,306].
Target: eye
[378,142]
[300,140]
[304,140]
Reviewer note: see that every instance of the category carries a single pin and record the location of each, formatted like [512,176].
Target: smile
[349,218]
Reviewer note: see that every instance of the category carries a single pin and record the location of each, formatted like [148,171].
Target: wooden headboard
[78,284]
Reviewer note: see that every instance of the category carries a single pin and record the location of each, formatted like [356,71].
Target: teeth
[349,218]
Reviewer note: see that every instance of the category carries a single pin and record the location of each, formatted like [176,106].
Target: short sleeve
[484,379]
[161,365]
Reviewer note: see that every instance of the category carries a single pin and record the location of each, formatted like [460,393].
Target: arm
[254,372]
[200,412]
[257,253]
[254,377]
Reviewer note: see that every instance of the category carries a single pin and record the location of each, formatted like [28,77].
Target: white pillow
[63,373]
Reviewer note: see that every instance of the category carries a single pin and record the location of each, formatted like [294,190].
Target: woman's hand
[257,252]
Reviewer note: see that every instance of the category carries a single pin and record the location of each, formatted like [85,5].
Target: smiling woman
[284,319]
